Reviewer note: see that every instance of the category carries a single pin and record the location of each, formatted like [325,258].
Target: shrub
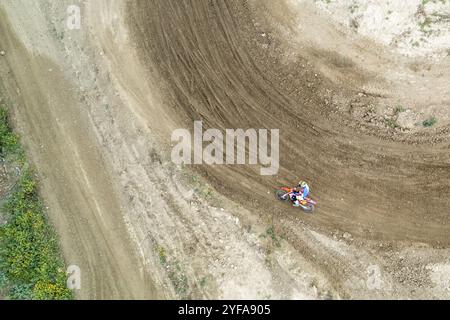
[429,122]
[29,252]
[30,263]
[398,110]
[9,142]
[45,290]
[21,292]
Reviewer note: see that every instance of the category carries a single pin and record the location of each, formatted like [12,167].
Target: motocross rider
[299,194]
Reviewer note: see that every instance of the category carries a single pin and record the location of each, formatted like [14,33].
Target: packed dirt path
[96,108]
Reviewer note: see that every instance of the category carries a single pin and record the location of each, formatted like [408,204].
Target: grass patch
[30,263]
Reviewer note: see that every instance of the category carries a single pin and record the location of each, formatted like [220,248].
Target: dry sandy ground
[96,107]
[412,28]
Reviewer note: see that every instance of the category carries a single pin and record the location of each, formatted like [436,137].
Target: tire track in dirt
[62,145]
[214,69]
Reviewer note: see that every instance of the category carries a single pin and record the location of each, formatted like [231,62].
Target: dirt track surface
[65,151]
[96,108]
[217,70]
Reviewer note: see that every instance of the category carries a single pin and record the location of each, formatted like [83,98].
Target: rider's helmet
[302,184]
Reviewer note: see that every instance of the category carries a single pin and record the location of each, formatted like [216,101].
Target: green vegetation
[398,110]
[162,255]
[425,2]
[179,281]
[429,122]
[425,24]
[175,273]
[30,262]
[9,143]
[270,233]
[200,187]
[203,282]
[392,122]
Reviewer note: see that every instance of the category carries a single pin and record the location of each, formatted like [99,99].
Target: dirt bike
[284,194]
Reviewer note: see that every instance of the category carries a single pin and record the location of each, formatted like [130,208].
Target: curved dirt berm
[226,63]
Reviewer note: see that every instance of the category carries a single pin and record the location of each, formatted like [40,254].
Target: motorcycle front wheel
[309,208]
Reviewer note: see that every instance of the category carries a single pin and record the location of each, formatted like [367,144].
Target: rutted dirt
[96,108]
[217,70]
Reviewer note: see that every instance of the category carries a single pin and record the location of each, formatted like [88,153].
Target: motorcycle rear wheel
[281,195]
